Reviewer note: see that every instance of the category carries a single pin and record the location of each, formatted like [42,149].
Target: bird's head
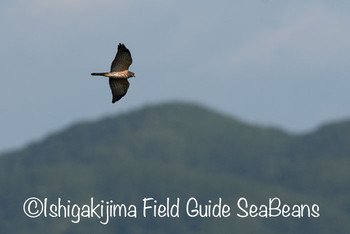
[131,74]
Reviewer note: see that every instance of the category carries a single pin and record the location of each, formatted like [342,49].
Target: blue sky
[268,62]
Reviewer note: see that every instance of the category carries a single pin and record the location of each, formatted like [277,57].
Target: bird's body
[119,73]
[115,75]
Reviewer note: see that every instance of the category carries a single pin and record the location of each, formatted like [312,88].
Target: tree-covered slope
[180,150]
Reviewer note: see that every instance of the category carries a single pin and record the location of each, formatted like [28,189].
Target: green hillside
[180,151]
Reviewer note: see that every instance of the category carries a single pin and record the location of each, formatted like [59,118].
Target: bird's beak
[134,75]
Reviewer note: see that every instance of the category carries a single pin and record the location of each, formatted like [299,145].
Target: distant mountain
[179,150]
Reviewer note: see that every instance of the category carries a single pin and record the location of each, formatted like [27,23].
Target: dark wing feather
[122,60]
[119,88]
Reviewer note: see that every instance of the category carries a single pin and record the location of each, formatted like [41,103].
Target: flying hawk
[118,77]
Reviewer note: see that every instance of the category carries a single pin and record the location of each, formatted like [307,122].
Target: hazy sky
[271,62]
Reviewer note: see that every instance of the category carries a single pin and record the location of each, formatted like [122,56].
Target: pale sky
[276,63]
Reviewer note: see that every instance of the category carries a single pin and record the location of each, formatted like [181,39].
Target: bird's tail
[99,74]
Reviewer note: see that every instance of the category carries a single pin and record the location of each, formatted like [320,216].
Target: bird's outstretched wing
[122,60]
[119,88]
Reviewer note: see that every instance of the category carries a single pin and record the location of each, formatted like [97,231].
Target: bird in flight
[118,77]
